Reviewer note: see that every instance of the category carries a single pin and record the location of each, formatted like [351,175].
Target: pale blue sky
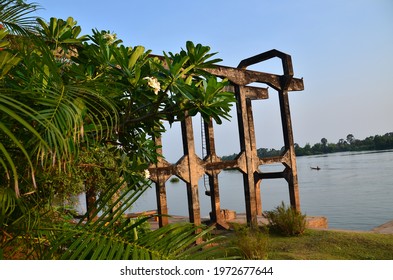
[342,48]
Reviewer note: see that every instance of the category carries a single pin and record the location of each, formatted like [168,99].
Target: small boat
[315,168]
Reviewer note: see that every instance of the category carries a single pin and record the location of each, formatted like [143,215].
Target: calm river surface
[354,190]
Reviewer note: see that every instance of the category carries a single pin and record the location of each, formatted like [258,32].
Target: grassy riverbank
[317,245]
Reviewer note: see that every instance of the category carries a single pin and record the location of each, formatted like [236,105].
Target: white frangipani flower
[147,173]
[110,37]
[153,83]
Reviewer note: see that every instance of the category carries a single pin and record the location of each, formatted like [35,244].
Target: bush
[286,220]
[253,243]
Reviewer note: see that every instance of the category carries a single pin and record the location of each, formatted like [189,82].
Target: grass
[321,245]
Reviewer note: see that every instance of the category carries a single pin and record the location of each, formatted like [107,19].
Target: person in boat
[316,168]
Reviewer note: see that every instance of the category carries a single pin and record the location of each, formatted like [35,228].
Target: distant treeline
[350,143]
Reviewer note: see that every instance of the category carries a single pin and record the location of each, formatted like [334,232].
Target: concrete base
[311,221]
[231,216]
[386,228]
[317,222]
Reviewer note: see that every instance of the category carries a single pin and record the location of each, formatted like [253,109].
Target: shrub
[286,220]
[253,243]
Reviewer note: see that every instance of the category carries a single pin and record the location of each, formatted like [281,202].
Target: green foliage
[17,216]
[111,236]
[286,220]
[60,33]
[175,241]
[80,112]
[174,180]
[66,93]
[16,16]
[99,166]
[43,114]
[377,142]
[253,243]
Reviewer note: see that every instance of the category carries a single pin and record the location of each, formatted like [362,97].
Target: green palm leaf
[15,15]
[111,236]
[175,241]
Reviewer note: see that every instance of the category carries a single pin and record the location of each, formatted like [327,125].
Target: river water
[354,190]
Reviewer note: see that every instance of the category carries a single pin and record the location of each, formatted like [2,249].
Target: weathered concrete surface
[312,221]
[190,168]
[386,228]
[317,222]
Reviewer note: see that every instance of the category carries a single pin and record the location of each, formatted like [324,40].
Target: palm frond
[17,217]
[16,16]
[112,236]
[65,114]
[174,241]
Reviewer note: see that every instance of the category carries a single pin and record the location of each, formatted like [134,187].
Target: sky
[343,49]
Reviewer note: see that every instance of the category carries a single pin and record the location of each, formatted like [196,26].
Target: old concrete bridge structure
[190,168]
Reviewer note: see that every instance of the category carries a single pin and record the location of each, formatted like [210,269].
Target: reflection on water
[354,190]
